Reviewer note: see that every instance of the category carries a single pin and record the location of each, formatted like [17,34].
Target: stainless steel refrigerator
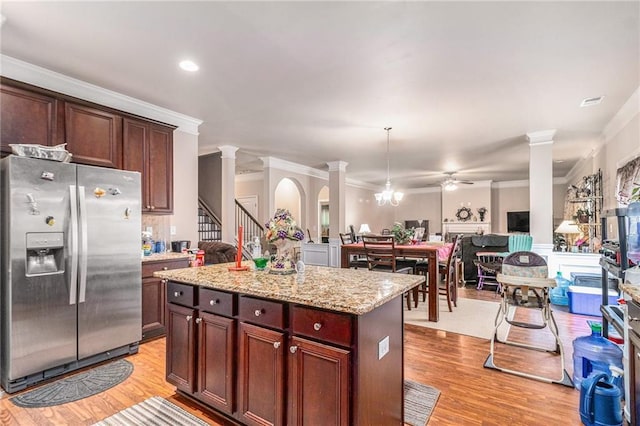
[71,270]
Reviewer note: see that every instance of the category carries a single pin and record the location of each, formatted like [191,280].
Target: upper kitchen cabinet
[27,118]
[93,136]
[148,149]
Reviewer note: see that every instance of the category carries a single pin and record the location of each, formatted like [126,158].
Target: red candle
[239,254]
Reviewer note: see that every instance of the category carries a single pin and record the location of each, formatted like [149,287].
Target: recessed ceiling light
[189,66]
[591,101]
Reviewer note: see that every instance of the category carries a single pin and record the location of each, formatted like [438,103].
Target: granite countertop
[632,290]
[354,291]
[165,256]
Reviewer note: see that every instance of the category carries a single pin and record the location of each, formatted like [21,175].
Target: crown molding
[337,166]
[542,137]
[288,166]
[250,177]
[625,114]
[32,74]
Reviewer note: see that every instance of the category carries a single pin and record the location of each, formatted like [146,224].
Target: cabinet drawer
[181,294]
[217,302]
[148,268]
[262,312]
[321,325]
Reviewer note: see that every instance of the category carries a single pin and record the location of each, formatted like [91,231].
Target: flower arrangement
[401,235]
[283,227]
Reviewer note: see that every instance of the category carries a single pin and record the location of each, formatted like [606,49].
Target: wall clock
[463,214]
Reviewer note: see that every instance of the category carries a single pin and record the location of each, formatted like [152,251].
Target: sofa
[217,252]
[472,244]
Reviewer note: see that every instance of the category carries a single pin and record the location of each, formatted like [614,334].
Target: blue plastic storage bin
[587,300]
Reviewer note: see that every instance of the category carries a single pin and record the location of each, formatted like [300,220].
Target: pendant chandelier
[388,195]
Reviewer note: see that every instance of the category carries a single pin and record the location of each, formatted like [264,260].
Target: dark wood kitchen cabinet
[93,135]
[201,345]
[181,347]
[261,381]
[154,296]
[293,364]
[28,118]
[148,149]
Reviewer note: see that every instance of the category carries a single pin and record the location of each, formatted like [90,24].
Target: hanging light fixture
[388,196]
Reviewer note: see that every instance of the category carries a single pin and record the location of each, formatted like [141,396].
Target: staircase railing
[209,225]
[250,225]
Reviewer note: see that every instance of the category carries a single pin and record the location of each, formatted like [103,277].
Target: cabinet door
[27,117]
[181,353]
[160,169]
[153,307]
[216,377]
[319,383]
[261,396]
[93,136]
[135,153]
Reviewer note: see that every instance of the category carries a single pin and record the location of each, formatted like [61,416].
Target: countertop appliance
[178,246]
[71,274]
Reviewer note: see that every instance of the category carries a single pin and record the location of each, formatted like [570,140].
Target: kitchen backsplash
[160,226]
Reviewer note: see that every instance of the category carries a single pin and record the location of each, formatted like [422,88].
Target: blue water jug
[594,354]
[600,401]
[558,295]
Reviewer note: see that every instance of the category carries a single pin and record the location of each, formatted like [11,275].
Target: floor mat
[419,402]
[75,387]
[153,411]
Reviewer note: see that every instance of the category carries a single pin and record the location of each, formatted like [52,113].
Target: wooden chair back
[346,238]
[379,251]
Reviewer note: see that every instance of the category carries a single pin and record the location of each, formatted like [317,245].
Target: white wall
[185,186]
[471,196]
[422,205]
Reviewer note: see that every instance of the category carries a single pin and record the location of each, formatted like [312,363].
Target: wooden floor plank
[453,363]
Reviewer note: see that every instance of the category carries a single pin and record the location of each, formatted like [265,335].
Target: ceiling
[313,82]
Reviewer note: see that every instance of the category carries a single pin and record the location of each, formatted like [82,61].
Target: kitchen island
[322,347]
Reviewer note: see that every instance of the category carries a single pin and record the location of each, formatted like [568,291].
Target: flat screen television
[517,221]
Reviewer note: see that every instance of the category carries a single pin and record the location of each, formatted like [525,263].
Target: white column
[228,193]
[337,188]
[337,195]
[541,189]
[268,189]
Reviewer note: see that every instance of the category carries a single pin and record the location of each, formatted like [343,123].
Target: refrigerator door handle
[73,234]
[84,245]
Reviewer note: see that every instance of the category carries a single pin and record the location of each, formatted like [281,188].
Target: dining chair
[489,264]
[448,271]
[380,253]
[356,261]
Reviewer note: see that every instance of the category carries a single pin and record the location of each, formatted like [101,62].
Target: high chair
[525,284]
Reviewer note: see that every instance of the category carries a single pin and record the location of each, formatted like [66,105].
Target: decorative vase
[481,216]
[282,263]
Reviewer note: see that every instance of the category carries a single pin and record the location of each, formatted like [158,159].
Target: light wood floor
[470,394]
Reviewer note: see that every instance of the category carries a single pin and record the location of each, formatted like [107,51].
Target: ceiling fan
[451,183]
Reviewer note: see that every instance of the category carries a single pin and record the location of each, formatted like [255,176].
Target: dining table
[432,253]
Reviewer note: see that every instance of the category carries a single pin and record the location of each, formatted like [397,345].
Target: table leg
[344,257]
[434,277]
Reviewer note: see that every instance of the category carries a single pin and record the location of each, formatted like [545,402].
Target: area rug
[419,402]
[471,317]
[153,411]
[78,386]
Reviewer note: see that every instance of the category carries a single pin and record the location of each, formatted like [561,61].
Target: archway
[323,214]
[288,196]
